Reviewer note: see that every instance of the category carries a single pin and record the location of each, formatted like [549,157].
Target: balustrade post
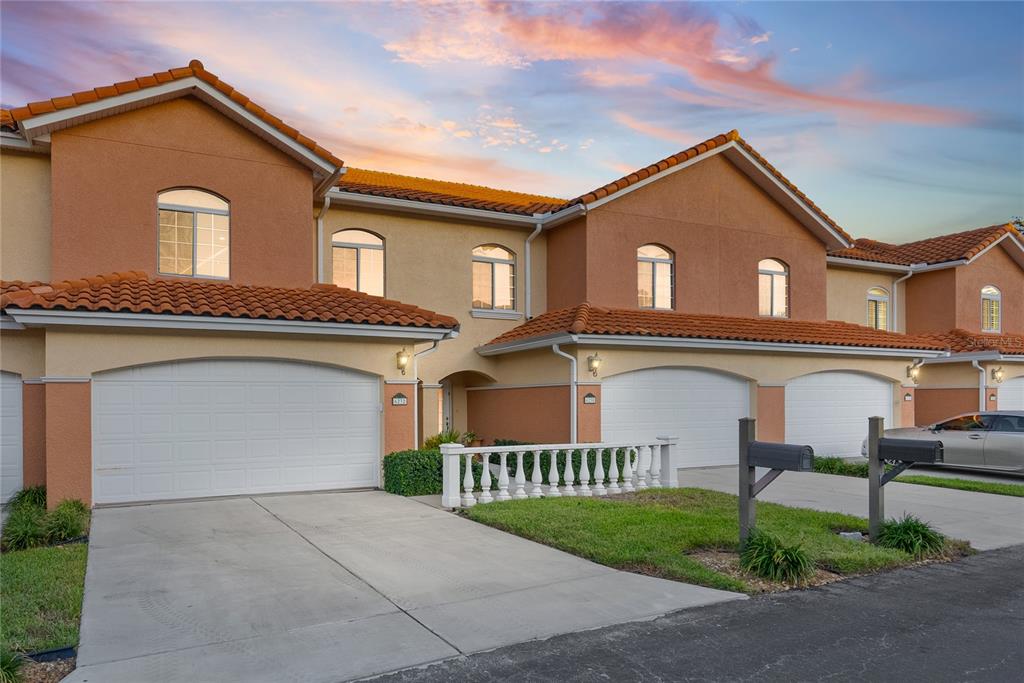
[655,465]
[569,475]
[627,471]
[669,468]
[451,456]
[468,500]
[503,493]
[641,467]
[613,472]
[553,491]
[520,492]
[536,478]
[599,489]
[585,473]
[485,479]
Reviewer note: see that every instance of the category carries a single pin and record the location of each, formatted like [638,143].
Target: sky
[900,120]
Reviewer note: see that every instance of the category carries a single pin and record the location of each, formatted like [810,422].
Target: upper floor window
[878,308]
[494,278]
[991,309]
[654,277]
[358,261]
[773,288]
[194,233]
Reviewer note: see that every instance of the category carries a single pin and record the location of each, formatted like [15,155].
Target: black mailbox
[781,456]
[910,450]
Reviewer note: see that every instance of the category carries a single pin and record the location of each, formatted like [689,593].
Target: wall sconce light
[997,375]
[594,363]
[908,396]
[402,360]
[913,371]
[992,398]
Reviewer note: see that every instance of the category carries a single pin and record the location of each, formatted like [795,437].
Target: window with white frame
[357,261]
[878,308]
[494,278]
[654,277]
[773,288]
[194,234]
[991,309]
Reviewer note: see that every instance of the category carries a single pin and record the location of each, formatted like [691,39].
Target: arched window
[878,308]
[357,259]
[194,233]
[655,275]
[494,278]
[773,288]
[991,309]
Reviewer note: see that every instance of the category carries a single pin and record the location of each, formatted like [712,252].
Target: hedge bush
[29,525]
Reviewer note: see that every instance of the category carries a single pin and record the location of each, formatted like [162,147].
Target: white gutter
[330,181]
[528,312]
[895,298]
[320,238]
[981,385]
[572,391]
[416,392]
[34,317]
[990,355]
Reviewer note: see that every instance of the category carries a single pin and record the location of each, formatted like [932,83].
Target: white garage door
[701,407]
[11,463]
[190,429]
[830,410]
[1011,394]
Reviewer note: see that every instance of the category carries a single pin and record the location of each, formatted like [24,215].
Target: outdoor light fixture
[594,363]
[402,360]
[997,374]
[912,372]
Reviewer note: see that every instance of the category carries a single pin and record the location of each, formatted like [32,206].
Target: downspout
[895,294]
[320,238]
[528,310]
[981,385]
[416,392]
[572,391]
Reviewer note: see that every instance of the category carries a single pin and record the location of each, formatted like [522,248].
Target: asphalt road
[962,621]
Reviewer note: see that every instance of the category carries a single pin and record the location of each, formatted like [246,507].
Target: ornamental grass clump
[766,556]
[24,528]
[66,522]
[10,666]
[911,535]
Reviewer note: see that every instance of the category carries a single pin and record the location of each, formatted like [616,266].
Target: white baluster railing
[644,464]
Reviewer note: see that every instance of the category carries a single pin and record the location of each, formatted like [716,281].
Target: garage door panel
[1011,394]
[225,427]
[830,410]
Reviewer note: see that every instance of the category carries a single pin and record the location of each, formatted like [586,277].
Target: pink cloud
[603,78]
[679,137]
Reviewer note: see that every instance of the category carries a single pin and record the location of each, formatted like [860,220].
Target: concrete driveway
[330,587]
[986,520]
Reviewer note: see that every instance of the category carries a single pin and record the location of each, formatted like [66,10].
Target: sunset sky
[901,120]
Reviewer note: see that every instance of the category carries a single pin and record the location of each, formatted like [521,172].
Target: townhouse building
[199,300]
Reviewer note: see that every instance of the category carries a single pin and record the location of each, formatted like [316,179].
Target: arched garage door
[190,429]
[830,410]
[701,407]
[1011,394]
[11,457]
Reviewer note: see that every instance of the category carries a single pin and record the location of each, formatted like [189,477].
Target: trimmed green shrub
[545,464]
[840,466]
[65,522]
[911,535]
[24,528]
[511,442]
[33,496]
[419,472]
[768,557]
[10,666]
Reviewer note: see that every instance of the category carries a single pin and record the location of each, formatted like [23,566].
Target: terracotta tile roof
[962,341]
[135,292]
[9,118]
[690,153]
[396,186]
[589,319]
[954,247]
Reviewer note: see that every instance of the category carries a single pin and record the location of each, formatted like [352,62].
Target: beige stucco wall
[24,216]
[23,352]
[428,262]
[848,294]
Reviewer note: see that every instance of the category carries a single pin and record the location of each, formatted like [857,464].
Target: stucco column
[430,421]
[771,413]
[907,397]
[992,398]
[33,437]
[68,441]
[588,413]
[398,415]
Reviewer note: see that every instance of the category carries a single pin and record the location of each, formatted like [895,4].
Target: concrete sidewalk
[986,520]
[330,587]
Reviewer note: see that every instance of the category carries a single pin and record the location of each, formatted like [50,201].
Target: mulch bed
[47,672]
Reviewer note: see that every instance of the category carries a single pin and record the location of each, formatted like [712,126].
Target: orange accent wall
[771,414]
[33,439]
[989,403]
[532,414]
[930,302]
[398,420]
[68,442]
[935,405]
[588,415]
[996,268]
[106,175]
[908,409]
[718,223]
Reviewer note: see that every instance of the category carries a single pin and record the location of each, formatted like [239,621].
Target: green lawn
[652,532]
[41,597]
[847,468]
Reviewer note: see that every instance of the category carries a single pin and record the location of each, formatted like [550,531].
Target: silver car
[992,441]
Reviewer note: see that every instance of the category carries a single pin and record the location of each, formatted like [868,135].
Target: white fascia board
[1017,255]
[975,355]
[410,206]
[550,220]
[866,265]
[9,323]
[64,118]
[706,344]
[44,318]
[15,142]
